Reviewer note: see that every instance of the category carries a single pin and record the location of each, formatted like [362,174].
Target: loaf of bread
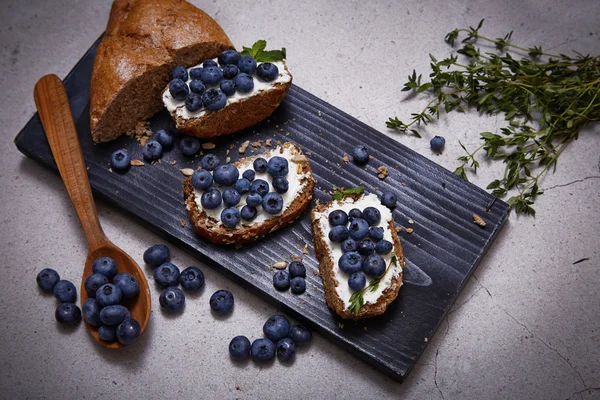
[144,40]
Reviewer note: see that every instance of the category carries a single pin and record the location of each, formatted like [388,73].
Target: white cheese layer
[178,106]
[335,249]
[297,183]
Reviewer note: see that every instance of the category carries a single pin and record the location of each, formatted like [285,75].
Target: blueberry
[348,245]
[239,348]
[272,203]
[214,99]
[130,287]
[47,278]
[297,268]
[108,295]
[91,312]
[193,103]
[202,179]
[357,281]
[226,174]
[360,154]
[254,200]
[300,334]
[374,266]
[281,280]
[249,174]
[286,349]
[260,165]
[178,89]
[107,333]
[298,285]
[230,216]
[197,87]
[211,199]
[93,282]
[172,299]
[248,213]
[383,247]
[164,138]
[277,166]
[68,313]
[262,350]
[191,279]
[260,186]
[65,291]
[359,229]
[280,184]
[119,160]
[114,315]
[338,217]
[338,234]
[211,75]
[376,233]
[209,162]
[276,327]
[152,150]
[267,71]
[179,72]
[242,185]
[128,331]
[221,301]
[105,266]
[209,63]
[189,145]
[372,215]
[195,74]
[389,199]
[437,144]
[228,87]
[231,197]
[350,262]
[229,57]
[167,274]
[230,71]
[247,64]
[156,255]
[355,213]
[244,83]
[365,247]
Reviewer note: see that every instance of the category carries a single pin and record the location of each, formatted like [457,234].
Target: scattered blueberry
[260,165]
[260,186]
[277,166]
[229,57]
[189,145]
[221,301]
[130,287]
[360,154]
[300,334]
[297,268]
[372,215]
[376,233]
[211,75]
[152,150]
[242,185]
[164,138]
[91,312]
[437,144]
[383,247]
[348,245]
[254,200]
[248,213]
[230,216]
[196,73]
[210,161]
[247,64]
[47,278]
[339,233]
[239,348]
[230,71]
[263,350]
[65,291]
[281,280]
[350,262]
[167,274]
[179,72]
[359,228]
[272,203]
[389,199]
[228,87]
[286,349]
[128,331]
[355,213]
[178,89]
[214,99]
[244,83]
[202,179]
[193,103]
[267,71]
[156,255]
[338,217]
[276,327]
[120,159]
[374,266]
[93,282]
[226,174]
[280,184]
[197,87]
[211,199]
[357,281]
[105,266]
[68,313]
[365,247]
[209,63]
[108,295]
[107,333]
[231,197]
[172,299]
[114,315]
[298,285]
[191,279]
[249,174]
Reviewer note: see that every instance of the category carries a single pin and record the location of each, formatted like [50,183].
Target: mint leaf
[271,55]
[258,52]
[339,194]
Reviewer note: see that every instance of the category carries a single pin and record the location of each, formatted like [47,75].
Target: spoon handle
[53,106]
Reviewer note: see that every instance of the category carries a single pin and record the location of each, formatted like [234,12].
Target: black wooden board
[441,253]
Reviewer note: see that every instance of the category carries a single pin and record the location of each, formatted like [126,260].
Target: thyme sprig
[547,99]
[357,299]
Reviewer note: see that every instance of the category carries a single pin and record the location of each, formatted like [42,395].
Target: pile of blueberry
[295,278]
[65,292]
[120,160]
[210,85]
[103,308]
[257,191]
[168,276]
[277,330]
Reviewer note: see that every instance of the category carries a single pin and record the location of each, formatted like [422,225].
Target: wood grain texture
[440,254]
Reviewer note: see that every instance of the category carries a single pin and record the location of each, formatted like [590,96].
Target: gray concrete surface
[527,325]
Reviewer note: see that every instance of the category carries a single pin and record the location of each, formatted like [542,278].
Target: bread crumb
[173,162]
[340,325]
[302,302]
[409,230]
[141,131]
[296,258]
[478,220]
[228,159]
[315,273]
[382,172]
[110,170]
[305,251]
[182,222]
[137,163]
[426,340]
[365,329]
[279,265]
[398,229]
[268,142]
[346,158]
[208,145]
[256,144]
[410,221]
[187,171]
[244,147]
[227,152]
[117,192]
[404,184]
[281,130]
[237,388]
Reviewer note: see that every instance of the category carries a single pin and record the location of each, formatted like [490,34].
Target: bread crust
[144,40]
[326,269]
[245,234]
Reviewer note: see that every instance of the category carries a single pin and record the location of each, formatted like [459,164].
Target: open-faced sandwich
[359,253]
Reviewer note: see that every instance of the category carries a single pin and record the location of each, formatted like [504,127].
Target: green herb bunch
[547,99]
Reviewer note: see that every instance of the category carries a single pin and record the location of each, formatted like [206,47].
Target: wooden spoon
[53,106]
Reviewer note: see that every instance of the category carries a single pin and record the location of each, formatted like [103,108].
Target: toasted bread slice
[335,281]
[241,111]
[206,223]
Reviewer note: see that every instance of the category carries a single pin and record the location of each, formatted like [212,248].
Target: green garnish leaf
[258,52]
[339,194]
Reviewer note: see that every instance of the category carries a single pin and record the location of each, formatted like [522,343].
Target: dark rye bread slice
[144,40]
[326,269]
[219,234]
[235,116]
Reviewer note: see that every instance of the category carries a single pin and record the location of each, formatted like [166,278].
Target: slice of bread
[239,113]
[335,281]
[210,228]
[144,40]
